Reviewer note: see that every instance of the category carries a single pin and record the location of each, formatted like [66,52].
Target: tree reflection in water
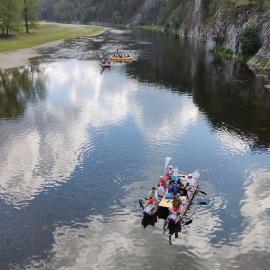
[18,87]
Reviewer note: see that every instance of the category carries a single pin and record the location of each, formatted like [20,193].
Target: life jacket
[152,200]
[176,209]
[163,183]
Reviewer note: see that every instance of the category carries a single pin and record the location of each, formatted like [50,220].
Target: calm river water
[79,147]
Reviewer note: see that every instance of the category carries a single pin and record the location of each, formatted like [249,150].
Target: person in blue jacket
[173,188]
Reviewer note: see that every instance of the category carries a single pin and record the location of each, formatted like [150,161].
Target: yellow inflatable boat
[126,58]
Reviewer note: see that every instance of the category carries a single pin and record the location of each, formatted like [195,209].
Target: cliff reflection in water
[234,99]
[229,93]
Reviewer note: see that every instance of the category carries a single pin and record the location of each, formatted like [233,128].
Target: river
[79,147]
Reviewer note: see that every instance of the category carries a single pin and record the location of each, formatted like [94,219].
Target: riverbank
[152,27]
[18,49]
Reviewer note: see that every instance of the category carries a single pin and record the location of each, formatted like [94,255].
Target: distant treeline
[112,11]
[117,11]
[16,14]
[161,12]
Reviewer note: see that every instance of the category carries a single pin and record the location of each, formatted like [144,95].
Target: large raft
[165,204]
[161,210]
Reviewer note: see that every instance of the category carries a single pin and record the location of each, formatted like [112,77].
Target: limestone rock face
[262,59]
[196,29]
[216,22]
[143,14]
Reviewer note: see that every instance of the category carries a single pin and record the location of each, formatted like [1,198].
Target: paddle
[200,191]
[202,203]
[188,222]
[141,203]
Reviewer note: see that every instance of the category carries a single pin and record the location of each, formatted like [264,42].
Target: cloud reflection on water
[54,134]
[33,157]
[121,243]
[233,143]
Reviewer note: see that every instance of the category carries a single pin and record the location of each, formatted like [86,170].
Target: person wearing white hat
[191,183]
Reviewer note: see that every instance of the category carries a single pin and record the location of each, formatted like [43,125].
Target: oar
[188,222]
[202,192]
[202,203]
[141,203]
[170,239]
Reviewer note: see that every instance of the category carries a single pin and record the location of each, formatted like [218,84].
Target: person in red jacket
[170,172]
[162,182]
[176,206]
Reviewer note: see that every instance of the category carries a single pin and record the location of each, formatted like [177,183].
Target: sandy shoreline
[17,58]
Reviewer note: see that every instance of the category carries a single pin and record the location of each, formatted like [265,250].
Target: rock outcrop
[217,22]
[145,11]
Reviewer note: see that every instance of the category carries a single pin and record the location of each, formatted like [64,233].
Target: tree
[10,15]
[258,3]
[31,13]
[250,41]
[26,17]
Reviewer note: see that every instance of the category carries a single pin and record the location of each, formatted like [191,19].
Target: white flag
[167,161]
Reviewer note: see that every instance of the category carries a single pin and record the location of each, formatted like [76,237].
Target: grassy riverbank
[47,32]
[148,27]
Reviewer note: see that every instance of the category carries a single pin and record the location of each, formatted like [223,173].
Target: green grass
[225,53]
[46,32]
[262,64]
[148,27]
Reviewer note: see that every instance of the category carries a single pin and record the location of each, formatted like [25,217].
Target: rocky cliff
[218,22]
[145,11]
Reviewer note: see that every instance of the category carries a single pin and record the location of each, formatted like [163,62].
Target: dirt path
[11,59]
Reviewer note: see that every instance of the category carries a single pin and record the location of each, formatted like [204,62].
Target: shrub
[223,52]
[250,41]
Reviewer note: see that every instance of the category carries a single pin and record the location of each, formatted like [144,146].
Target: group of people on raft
[174,188]
[120,54]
